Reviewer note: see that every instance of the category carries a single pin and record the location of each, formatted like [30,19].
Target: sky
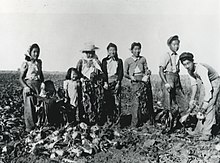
[62,27]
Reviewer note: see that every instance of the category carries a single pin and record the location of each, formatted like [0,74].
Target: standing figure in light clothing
[93,83]
[31,78]
[136,69]
[71,87]
[112,66]
[211,81]
[173,97]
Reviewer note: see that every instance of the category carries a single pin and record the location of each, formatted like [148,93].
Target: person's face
[136,51]
[188,65]
[35,53]
[90,54]
[112,51]
[73,75]
[174,45]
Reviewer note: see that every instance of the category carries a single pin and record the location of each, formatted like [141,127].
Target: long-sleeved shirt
[113,67]
[206,74]
[134,66]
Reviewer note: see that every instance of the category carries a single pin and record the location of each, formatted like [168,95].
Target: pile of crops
[83,143]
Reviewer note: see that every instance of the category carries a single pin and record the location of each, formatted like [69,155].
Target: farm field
[68,144]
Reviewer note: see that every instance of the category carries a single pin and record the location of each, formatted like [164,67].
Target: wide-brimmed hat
[89,47]
[175,37]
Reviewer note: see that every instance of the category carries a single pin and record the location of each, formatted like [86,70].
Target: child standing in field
[72,87]
[136,69]
[174,99]
[31,78]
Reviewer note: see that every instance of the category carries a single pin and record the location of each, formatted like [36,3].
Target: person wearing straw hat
[93,83]
[211,82]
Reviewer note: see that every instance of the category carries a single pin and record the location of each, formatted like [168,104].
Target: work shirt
[170,62]
[33,69]
[134,66]
[206,74]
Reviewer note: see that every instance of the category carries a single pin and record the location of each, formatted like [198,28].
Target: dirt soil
[93,144]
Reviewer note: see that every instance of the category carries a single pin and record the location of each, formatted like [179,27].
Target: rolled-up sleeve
[203,73]
[164,60]
[24,66]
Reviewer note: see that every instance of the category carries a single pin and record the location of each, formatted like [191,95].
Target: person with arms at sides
[136,69]
[173,97]
[93,84]
[31,78]
[112,66]
[72,88]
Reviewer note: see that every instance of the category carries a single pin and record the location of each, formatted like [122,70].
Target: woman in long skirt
[136,69]
[113,68]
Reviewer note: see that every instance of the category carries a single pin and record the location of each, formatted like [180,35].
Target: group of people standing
[93,88]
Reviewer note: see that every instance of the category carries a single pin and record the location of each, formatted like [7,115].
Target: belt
[171,73]
[137,74]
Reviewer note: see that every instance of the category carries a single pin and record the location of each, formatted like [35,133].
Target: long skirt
[112,106]
[30,102]
[142,108]
[92,101]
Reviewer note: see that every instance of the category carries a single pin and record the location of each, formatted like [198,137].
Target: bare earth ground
[73,144]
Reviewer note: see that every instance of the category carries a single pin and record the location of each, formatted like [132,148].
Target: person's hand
[204,106]
[132,78]
[117,86]
[65,99]
[192,104]
[146,78]
[149,72]
[105,85]
[168,87]
[82,80]
[27,90]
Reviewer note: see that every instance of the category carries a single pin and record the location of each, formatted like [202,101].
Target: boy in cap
[211,81]
[169,74]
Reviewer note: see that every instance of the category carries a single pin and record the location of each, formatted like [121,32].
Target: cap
[186,55]
[175,37]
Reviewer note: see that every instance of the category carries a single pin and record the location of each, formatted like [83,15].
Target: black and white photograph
[109,81]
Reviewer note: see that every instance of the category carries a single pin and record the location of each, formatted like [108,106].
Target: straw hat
[89,47]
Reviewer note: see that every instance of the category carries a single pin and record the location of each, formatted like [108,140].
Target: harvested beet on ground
[83,143]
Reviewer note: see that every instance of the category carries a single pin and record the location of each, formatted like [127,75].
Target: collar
[111,58]
[136,58]
[172,53]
